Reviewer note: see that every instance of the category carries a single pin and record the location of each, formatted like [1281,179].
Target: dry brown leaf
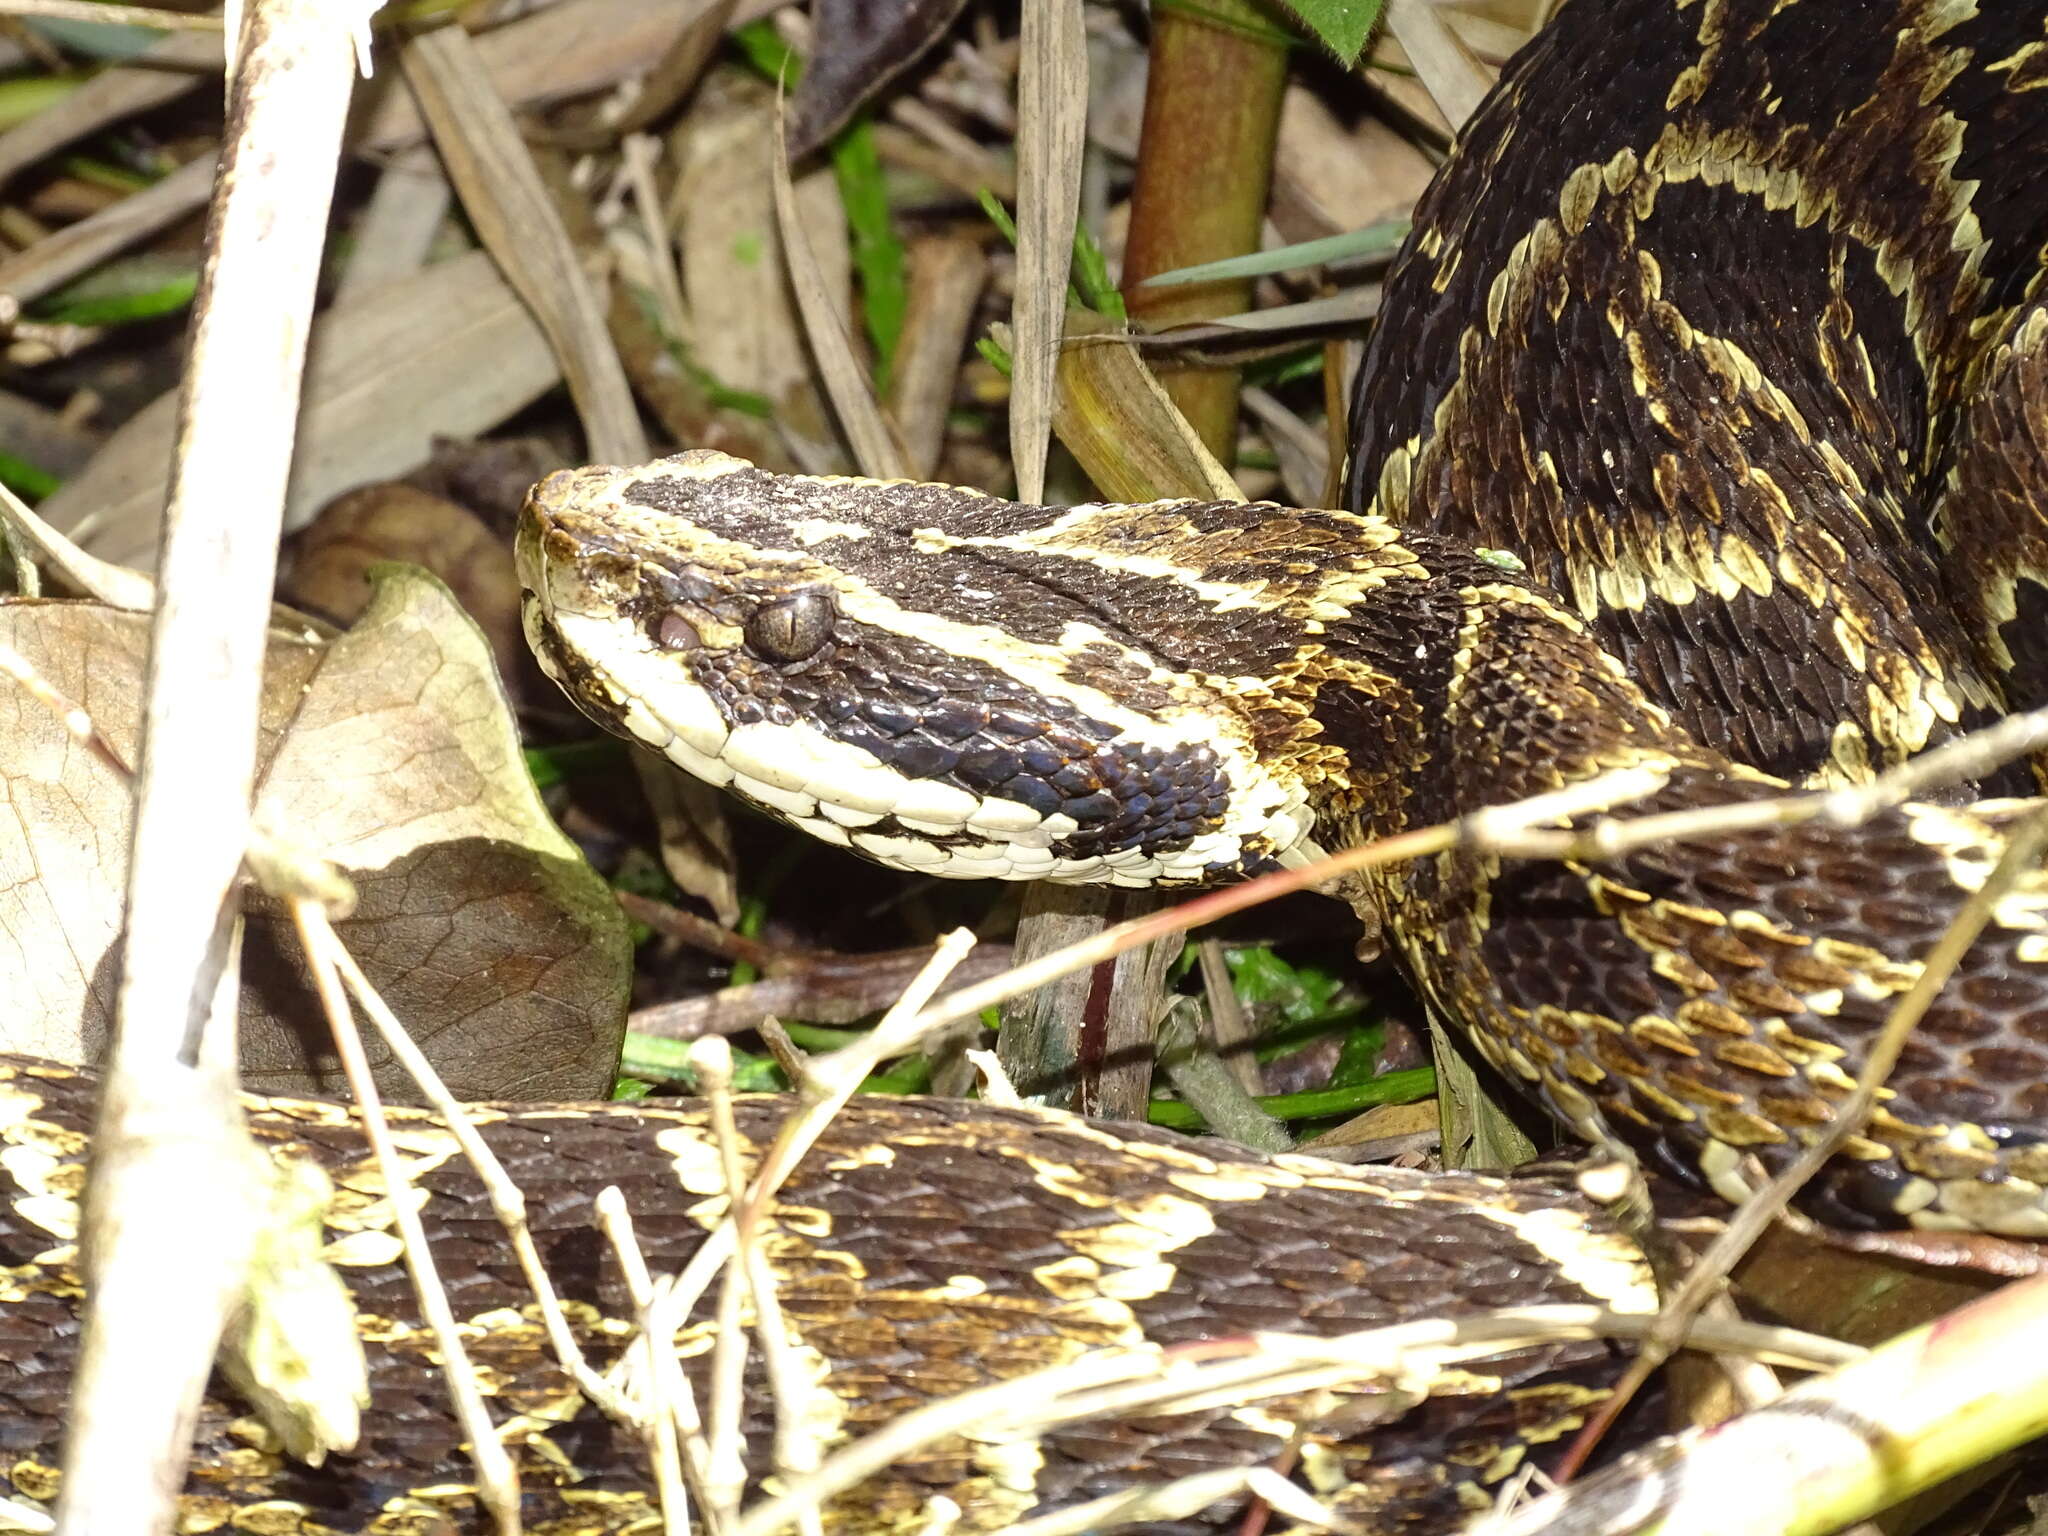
[695,837]
[1330,177]
[1114,417]
[1453,78]
[501,190]
[332,561]
[859,46]
[847,385]
[395,233]
[745,330]
[946,275]
[391,751]
[78,248]
[176,63]
[449,352]
[563,50]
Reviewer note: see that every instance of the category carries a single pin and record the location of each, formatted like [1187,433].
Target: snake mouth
[682,606]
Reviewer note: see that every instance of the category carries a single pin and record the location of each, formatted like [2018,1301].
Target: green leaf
[1394,1088]
[668,1061]
[1088,273]
[994,354]
[551,765]
[762,47]
[25,479]
[1297,994]
[1371,242]
[127,289]
[1091,277]
[1342,26]
[877,252]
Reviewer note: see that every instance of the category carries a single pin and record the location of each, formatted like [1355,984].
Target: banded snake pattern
[1726,322]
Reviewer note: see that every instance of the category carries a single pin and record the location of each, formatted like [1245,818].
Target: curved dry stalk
[496,1475]
[657,1423]
[508,1201]
[1150,1380]
[166,1253]
[1915,1410]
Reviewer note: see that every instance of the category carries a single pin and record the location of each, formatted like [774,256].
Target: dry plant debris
[642,239]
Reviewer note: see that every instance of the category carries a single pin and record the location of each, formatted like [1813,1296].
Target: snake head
[857,658]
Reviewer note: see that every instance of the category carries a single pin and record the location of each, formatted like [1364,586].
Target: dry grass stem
[996,1087]
[1181,1498]
[1146,1380]
[854,1464]
[847,385]
[508,1201]
[1915,1410]
[171,67]
[836,1077]
[488,163]
[1455,80]
[1230,1027]
[115,585]
[727,1472]
[946,276]
[1967,757]
[640,153]
[752,1281]
[1513,829]
[656,1419]
[78,248]
[497,1476]
[675,1298]
[396,232]
[112,15]
[1597,793]
[1302,451]
[77,724]
[166,1249]
[1052,124]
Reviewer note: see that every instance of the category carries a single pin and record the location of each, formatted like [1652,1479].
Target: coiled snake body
[1703,432]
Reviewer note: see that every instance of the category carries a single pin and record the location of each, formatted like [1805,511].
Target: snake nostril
[792,628]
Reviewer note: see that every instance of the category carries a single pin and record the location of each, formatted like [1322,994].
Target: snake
[1699,443]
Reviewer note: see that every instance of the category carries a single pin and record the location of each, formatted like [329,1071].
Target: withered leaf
[389,749]
[861,45]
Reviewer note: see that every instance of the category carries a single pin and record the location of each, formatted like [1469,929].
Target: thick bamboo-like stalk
[1205,165]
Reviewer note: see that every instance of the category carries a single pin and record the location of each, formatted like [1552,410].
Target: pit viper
[1702,432]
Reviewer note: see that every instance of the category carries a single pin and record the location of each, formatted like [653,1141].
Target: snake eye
[792,628]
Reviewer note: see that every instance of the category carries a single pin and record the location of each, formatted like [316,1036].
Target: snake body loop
[1727,320]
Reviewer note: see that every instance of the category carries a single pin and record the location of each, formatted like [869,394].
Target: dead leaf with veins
[388,749]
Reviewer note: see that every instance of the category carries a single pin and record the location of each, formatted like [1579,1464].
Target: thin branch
[1148,1380]
[497,1476]
[656,1422]
[508,1201]
[166,1244]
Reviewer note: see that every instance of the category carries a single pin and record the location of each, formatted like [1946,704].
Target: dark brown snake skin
[1726,320]
[926,1246]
